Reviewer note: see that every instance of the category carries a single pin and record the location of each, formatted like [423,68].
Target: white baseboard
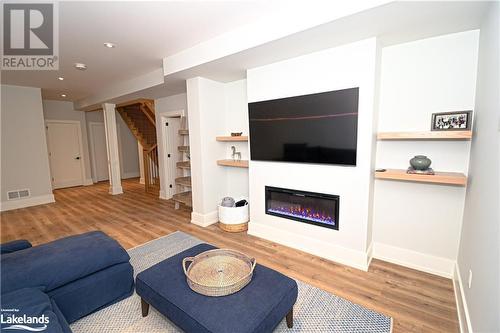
[114,190]
[423,262]
[127,175]
[204,220]
[343,255]
[462,309]
[164,196]
[141,180]
[72,183]
[28,202]
[88,182]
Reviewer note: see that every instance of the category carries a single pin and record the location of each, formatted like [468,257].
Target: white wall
[24,157]
[206,102]
[60,110]
[236,120]
[162,106]
[416,224]
[129,158]
[216,109]
[353,65]
[479,245]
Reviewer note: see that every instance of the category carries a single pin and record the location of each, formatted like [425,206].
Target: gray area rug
[315,310]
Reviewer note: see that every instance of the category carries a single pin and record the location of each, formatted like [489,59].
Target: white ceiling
[145,33]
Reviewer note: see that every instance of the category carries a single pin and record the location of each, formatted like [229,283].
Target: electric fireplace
[308,207]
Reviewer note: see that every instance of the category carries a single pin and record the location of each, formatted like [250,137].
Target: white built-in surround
[353,65]
[412,224]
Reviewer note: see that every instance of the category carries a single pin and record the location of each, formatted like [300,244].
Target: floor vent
[18,194]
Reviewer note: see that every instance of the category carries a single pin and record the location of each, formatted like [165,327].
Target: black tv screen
[318,128]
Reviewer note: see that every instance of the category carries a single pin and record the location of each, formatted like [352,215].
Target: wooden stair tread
[184,181]
[183,148]
[184,165]
[183,197]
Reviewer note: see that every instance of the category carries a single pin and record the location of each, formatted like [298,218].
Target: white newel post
[141,162]
[115,183]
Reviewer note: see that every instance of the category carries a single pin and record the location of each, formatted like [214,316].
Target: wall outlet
[470,278]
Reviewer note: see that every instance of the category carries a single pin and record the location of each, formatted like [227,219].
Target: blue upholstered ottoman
[257,308]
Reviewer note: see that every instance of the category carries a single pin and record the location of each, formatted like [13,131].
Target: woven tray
[218,272]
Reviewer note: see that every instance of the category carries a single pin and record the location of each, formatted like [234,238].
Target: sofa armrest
[14,246]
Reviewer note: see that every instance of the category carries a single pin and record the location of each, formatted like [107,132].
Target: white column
[115,183]
[141,162]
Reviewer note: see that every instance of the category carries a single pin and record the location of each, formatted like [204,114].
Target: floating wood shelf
[231,163]
[184,181]
[242,138]
[184,197]
[184,165]
[447,178]
[183,148]
[183,132]
[430,135]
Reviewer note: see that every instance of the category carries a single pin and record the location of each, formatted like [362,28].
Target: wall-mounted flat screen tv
[318,128]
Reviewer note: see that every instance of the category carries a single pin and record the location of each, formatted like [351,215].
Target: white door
[98,152]
[172,138]
[65,153]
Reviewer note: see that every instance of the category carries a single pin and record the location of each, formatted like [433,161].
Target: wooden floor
[418,302]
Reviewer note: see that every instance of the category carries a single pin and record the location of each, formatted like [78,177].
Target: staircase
[183,183]
[139,115]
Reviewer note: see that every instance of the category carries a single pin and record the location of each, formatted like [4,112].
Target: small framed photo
[451,121]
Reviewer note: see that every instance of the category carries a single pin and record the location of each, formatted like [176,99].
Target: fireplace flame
[304,213]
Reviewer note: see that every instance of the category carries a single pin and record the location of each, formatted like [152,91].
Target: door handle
[77,158]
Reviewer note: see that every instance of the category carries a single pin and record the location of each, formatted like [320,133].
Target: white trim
[161,145]
[163,195]
[204,220]
[461,301]
[80,147]
[369,255]
[133,174]
[28,202]
[88,182]
[114,190]
[412,259]
[72,183]
[343,255]
[142,181]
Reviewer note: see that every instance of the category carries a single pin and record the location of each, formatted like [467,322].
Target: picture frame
[452,121]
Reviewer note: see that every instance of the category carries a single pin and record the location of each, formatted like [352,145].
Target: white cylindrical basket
[233,219]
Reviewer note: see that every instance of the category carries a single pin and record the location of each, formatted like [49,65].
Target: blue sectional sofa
[63,280]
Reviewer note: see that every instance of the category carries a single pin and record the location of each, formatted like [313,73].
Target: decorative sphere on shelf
[420,162]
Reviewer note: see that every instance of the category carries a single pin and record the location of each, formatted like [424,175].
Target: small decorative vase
[420,162]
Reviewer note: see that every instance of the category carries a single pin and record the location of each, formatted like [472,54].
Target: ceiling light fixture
[110,45]
[60,78]
[63,95]
[80,66]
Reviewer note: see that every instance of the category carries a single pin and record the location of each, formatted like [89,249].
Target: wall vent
[18,194]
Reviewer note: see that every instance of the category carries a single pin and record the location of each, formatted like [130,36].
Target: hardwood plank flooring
[418,302]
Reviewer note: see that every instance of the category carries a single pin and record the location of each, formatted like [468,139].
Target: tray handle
[184,261]
[254,262]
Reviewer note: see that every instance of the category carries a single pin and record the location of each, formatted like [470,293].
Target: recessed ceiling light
[60,78]
[110,45]
[63,95]
[80,66]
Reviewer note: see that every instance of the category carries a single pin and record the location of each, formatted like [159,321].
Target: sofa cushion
[14,246]
[37,308]
[257,308]
[93,292]
[49,266]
